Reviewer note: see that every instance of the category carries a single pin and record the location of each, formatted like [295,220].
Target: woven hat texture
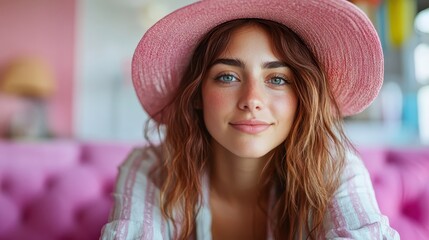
[339,34]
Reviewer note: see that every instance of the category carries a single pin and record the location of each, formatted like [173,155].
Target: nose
[251,97]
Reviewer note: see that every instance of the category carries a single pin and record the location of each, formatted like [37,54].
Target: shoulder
[355,188]
[353,211]
[354,167]
[136,175]
[136,212]
[142,159]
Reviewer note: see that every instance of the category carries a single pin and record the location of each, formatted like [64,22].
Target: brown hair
[306,167]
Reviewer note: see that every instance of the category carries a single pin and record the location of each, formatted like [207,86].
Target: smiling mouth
[250,126]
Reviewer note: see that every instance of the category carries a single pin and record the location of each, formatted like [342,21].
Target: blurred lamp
[28,77]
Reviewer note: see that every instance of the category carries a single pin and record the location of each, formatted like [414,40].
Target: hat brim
[340,36]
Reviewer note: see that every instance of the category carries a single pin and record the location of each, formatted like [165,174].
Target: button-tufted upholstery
[61,190]
[57,190]
[401,183]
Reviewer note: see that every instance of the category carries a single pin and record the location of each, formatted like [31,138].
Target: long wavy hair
[304,170]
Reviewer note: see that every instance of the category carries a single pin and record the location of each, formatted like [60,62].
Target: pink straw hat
[340,36]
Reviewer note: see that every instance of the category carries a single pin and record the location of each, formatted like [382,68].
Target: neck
[236,179]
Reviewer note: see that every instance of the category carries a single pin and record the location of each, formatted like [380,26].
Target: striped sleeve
[136,213]
[354,212]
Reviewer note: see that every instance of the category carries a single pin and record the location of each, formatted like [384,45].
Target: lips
[251,126]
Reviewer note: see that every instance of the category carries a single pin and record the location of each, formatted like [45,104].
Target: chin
[251,153]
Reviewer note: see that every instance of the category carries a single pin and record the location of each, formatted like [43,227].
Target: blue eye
[277,81]
[227,78]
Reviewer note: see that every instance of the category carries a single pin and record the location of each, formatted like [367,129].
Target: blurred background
[65,70]
[69,115]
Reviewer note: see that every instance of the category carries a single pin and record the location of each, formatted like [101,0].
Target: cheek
[213,109]
[213,101]
[286,107]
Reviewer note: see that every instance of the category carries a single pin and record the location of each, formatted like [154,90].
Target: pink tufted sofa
[61,189]
[401,182]
[56,190]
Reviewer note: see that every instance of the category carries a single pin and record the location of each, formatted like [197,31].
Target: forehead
[249,39]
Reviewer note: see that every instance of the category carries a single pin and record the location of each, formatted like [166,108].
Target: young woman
[248,96]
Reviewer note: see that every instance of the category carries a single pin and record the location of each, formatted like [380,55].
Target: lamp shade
[29,76]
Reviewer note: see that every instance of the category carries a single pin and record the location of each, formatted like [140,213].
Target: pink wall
[44,28]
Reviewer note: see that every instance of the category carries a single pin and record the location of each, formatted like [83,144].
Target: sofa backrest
[62,190]
[57,190]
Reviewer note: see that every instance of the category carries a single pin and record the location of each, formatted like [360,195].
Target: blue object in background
[410,116]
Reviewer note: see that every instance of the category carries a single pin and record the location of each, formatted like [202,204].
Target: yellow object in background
[29,77]
[400,16]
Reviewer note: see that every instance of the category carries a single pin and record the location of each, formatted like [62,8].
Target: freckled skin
[252,95]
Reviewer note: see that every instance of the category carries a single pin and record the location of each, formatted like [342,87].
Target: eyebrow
[274,64]
[240,64]
[230,62]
